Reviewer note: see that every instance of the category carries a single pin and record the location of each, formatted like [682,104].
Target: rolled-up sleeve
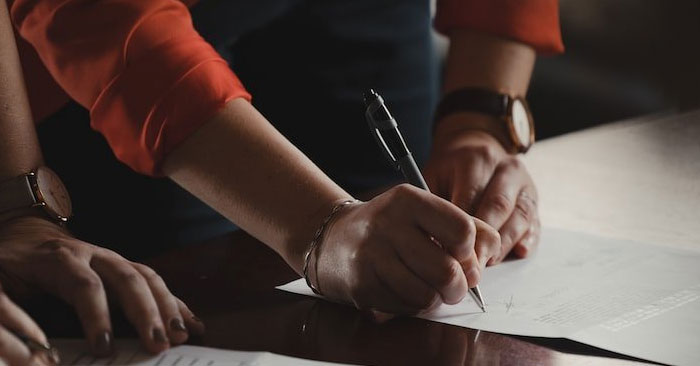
[147,77]
[534,22]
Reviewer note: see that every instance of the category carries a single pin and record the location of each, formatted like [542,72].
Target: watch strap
[473,100]
[16,193]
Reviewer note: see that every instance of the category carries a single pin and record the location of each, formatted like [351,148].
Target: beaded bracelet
[317,240]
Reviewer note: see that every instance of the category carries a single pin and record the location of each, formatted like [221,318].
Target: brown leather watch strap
[16,193]
[472,100]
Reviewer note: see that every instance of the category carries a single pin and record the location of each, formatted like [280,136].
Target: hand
[473,171]
[13,351]
[38,254]
[381,255]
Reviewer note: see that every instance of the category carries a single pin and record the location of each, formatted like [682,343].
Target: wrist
[297,244]
[474,123]
[505,116]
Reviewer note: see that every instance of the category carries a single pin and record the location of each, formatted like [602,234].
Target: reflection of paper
[632,298]
[128,352]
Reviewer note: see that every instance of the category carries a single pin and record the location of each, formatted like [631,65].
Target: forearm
[242,167]
[484,61]
[19,148]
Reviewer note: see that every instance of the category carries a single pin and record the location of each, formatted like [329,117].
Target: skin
[13,351]
[38,255]
[404,251]
[468,164]
[284,213]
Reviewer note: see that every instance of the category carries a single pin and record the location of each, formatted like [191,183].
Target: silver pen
[386,132]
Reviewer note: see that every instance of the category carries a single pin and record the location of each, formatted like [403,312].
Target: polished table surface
[637,179]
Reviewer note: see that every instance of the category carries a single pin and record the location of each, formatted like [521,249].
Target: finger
[135,298]
[449,225]
[518,224]
[167,304]
[371,293]
[81,287]
[469,184]
[431,264]
[529,242]
[12,351]
[412,290]
[14,318]
[192,322]
[472,270]
[487,245]
[501,194]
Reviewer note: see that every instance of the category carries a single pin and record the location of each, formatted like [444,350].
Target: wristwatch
[39,191]
[518,127]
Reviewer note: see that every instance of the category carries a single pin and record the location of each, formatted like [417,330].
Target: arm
[468,164]
[376,254]
[236,161]
[19,151]
[493,46]
[37,253]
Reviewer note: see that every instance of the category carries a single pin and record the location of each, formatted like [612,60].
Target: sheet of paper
[129,353]
[632,298]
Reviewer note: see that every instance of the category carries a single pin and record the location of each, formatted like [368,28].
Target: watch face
[521,123]
[54,194]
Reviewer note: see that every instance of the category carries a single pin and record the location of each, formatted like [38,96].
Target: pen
[36,346]
[386,132]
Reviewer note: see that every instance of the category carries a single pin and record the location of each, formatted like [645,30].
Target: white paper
[632,298]
[129,352]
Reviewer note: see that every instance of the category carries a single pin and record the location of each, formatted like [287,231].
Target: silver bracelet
[317,240]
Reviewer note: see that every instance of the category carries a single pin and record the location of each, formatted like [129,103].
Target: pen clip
[377,127]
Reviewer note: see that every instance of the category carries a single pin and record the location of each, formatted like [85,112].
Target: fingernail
[195,318]
[103,344]
[159,336]
[177,324]
[473,277]
[53,357]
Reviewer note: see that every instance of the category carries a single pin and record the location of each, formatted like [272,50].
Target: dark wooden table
[589,180]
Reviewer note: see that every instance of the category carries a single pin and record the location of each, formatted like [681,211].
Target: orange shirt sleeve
[534,22]
[147,77]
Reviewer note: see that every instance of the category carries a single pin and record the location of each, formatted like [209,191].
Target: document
[129,352]
[632,298]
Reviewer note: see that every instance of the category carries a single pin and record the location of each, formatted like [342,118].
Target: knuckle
[129,278]
[405,192]
[525,207]
[87,282]
[516,164]
[148,273]
[465,228]
[500,203]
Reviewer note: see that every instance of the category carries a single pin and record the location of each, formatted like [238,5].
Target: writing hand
[473,171]
[36,254]
[379,255]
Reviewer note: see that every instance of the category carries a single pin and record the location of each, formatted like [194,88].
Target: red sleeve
[147,77]
[535,22]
